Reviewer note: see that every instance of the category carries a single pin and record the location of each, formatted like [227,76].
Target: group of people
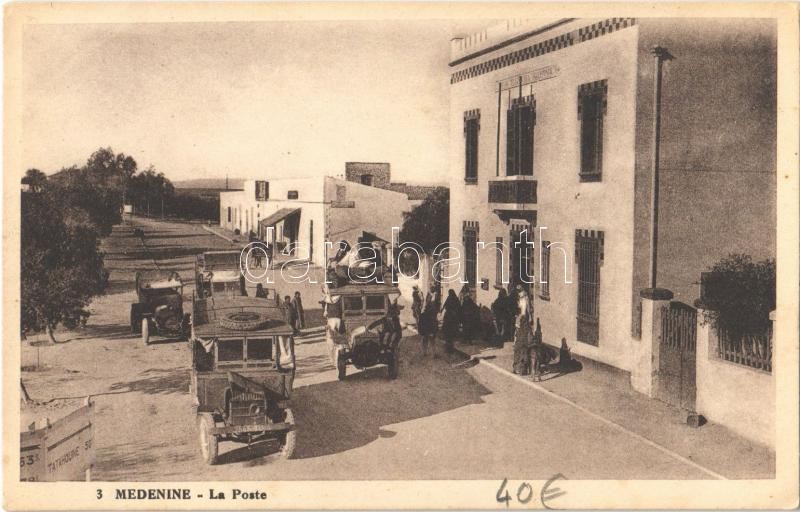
[364,261]
[462,317]
[510,318]
[295,314]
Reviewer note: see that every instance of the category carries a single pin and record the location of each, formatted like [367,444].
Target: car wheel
[209,443]
[341,366]
[289,439]
[391,366]
[145,331]
[135,318]
[186,326]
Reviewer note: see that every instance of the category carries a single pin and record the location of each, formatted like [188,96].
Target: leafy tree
[428,224]
[741,294]
[151,191]
[61,266]
[35,179]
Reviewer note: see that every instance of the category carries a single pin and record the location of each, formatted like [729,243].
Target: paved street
[437,421]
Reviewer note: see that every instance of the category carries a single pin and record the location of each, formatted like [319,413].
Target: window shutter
[471,128]
[526,115]
[511,142]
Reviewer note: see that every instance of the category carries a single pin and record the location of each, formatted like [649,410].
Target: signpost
[62,451]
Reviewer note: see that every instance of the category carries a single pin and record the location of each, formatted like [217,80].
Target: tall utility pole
[660,55]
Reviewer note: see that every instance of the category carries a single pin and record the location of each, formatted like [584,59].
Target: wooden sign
[63,451]
[536,75]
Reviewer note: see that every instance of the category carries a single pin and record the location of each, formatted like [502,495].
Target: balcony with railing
[512,193]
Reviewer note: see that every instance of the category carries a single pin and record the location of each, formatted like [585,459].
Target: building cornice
[510,41]
[558,42]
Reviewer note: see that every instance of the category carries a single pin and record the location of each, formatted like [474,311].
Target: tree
[741,294]
[428,223]
[61,266]
[151,191]
[99,187]
[35,179]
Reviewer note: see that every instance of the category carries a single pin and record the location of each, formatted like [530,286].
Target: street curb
[615,426]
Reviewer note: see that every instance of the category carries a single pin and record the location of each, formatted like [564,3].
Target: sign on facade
[536,75]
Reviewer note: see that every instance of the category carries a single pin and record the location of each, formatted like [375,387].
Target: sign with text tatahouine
[535,75]
[61,451]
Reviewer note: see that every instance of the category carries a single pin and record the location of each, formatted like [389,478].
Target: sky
[246,99]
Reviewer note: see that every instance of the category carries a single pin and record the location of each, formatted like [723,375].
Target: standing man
[297,302]
[291,313]
[416,307]
[430,322]
[332,311]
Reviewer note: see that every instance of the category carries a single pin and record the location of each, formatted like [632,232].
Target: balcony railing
[512,191]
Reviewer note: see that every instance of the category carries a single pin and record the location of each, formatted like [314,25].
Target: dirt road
[437,421]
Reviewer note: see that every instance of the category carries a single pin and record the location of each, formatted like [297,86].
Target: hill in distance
[212,183]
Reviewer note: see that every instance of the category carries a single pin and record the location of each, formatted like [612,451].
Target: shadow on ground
[336,416]
[158,382]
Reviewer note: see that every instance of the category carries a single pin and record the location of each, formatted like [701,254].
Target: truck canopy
[371,288]
[214,317]
[220,260]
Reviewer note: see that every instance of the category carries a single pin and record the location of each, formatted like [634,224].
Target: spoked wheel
[135,320]
[209,444]
[341,366]
[145,331]
[289,439]
[391,366]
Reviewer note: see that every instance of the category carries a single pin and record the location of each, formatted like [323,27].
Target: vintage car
[159,310]
[359,342]
[219,272]
[242,373]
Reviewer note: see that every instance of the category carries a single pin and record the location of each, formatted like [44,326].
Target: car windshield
[221,260]
[375,302]
[352,303]
[230,288]
[259,348]
[230,350]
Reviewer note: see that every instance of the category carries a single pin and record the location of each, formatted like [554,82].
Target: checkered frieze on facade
[470,115]
[519,225]
[525,101]
[591,233]
[603,27]
[541,48]
[471,225]
[598,87]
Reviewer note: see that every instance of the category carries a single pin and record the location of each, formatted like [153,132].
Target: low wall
[738,397]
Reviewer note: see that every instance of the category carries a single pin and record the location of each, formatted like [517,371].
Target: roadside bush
[741,294]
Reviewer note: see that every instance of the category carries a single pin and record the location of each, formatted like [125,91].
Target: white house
[552,133]
[309,211]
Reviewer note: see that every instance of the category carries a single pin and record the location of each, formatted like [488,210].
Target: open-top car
[365,340]
[159,308]
[219,273]
[242,373]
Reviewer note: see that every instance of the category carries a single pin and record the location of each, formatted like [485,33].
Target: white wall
[310,201]
[736,396]
[375,210]
[564,203]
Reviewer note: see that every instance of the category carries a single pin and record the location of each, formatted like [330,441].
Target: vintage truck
[359,342]
[219,272]
[159,308]
[243,368]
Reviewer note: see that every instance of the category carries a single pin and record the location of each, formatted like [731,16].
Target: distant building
[310,211]
[379,175]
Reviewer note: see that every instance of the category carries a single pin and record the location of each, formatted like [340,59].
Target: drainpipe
[660,55]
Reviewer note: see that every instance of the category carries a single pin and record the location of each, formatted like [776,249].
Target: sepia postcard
[400,256]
